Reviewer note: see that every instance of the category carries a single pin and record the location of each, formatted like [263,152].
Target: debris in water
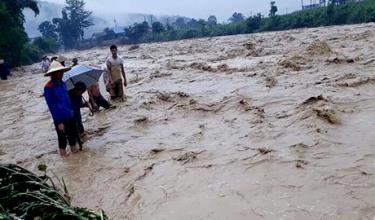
[223,67]
[270,81]
[314,99]
[249,45]
[140,120]
[301,163]
[202,66]
[134,47]
[264,151]
[318,48]
[157,150]
[290,65]
[328,115]
[187,157]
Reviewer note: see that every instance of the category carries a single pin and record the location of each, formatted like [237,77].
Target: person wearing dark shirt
[4,70]
[74,62]
[60,107]
[77,103]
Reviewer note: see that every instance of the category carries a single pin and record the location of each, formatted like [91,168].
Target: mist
[195,9]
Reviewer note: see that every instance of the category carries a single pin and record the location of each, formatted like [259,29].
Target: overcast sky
[223,9]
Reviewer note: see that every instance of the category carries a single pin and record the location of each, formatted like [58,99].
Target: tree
[136,32]
[254,23]
[330,12]
[15,8]
[80,18]
[75,19]
[192,33]
[109,34]
[180,23]
[157,27]
[13,38]
[236,18]
[193,23]
[202,26]
[68,34]
[273,9]
[46,45]
[48,30]
[212,21]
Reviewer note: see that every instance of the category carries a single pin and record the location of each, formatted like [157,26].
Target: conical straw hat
[56,66]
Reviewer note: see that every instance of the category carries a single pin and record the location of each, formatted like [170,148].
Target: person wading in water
[60,107]
[116,75]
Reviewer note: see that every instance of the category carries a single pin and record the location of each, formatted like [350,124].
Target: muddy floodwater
[265,126]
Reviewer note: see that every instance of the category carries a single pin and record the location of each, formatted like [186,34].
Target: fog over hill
[49,10]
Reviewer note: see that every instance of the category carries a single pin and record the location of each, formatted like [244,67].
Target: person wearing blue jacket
[60,107]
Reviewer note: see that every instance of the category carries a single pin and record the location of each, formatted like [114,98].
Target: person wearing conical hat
[60,107]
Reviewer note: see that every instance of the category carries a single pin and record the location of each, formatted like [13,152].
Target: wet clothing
[58,101]
[4,71]
[45,65]
[116,67]
[70,135]
[77,104]
[116,89]
[106,80]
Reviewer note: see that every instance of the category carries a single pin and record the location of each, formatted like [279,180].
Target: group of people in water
[65,106]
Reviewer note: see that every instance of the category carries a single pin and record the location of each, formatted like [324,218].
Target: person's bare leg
[63,153]
[74,149]
[121,92]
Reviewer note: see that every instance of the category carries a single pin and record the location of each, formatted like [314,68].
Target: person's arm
[109,71]
[82,103]
[124,75]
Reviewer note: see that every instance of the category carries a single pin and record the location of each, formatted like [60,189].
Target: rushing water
[221,128]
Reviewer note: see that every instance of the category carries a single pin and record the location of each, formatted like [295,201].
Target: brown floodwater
[264,126]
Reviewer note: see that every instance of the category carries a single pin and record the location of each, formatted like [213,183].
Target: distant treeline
[17,49]
[335,13]
[67,31]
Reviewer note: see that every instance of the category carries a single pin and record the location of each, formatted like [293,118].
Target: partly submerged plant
[24,195]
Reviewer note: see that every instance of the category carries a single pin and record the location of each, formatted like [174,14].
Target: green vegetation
[71,26]
[68,30]
[15,47]
[24,195]
[338,12]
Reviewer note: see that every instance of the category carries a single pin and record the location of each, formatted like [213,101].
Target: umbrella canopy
[81,73]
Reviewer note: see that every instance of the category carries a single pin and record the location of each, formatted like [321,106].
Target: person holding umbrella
[60,107]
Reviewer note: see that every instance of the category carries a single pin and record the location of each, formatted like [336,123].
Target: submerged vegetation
[24,195]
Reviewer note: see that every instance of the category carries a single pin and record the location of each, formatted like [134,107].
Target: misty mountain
[49,10]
